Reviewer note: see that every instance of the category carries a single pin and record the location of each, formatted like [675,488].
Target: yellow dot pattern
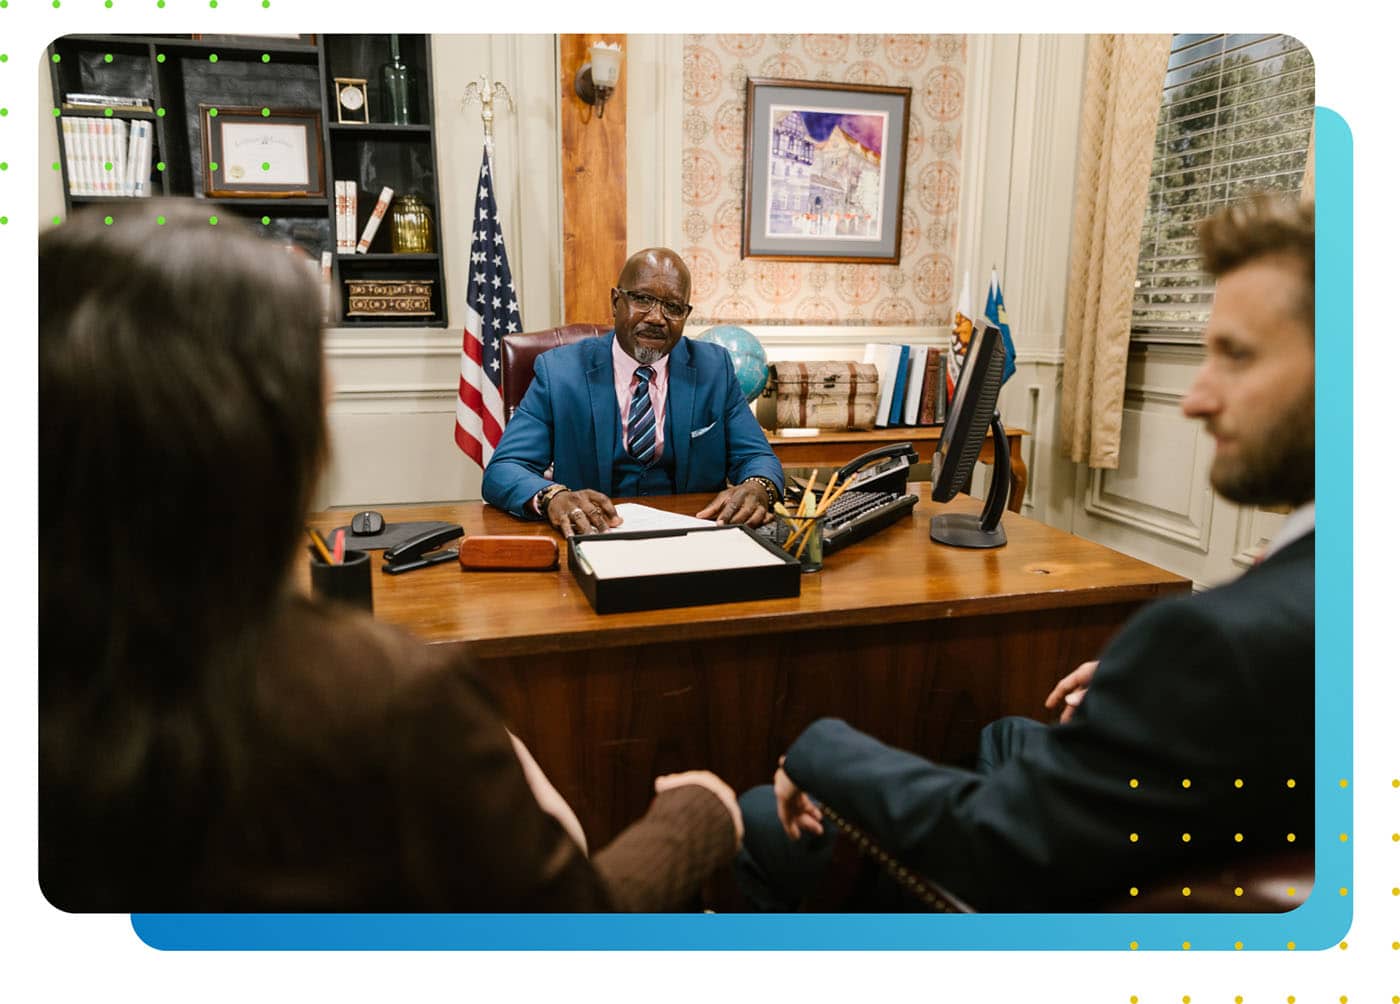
[1186,946]
[1133,783]
[1186,782]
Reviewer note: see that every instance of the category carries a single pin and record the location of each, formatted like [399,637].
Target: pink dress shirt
[625,382]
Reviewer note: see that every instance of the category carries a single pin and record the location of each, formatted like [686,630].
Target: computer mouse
[367,523]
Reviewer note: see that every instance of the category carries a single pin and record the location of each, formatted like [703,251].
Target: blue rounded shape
[750,361]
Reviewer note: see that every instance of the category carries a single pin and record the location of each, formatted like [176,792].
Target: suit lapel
[680,405]
[602,397]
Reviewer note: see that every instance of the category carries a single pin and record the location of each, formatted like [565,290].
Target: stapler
[418,553]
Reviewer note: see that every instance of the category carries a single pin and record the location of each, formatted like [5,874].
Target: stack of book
[107,156]
[913,384]
[101,102]
[347,214]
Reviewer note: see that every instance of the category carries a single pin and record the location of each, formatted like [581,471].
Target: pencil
[320,546]
[339,553]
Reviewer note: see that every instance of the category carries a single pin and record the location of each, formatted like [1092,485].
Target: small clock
[351,103]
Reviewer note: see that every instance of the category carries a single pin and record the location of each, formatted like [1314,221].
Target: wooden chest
[390,297]
[824,395]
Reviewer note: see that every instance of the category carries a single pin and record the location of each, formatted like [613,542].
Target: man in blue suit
[1186,744]
[641,411]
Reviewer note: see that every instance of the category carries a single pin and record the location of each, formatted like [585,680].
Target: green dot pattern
[108,220]
[160,221]
[213,221]
[213,57]
[266,58]
[107,112]
[160,57]
[160,165]
[266,220]
[107,57]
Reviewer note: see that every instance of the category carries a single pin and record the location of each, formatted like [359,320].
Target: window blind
[1236,118]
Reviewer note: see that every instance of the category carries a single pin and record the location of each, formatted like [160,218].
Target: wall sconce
[595,81]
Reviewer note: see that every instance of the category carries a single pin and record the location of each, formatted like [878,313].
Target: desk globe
[750,361]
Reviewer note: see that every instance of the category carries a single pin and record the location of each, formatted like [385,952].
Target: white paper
[637,517]
[692,552]
[247,146]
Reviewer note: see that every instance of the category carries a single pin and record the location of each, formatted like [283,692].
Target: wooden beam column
[594,159]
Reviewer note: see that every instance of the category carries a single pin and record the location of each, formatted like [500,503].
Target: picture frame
[265,36]
[251,155]
[824,171]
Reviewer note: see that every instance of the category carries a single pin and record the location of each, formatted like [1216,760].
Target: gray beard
[647,356]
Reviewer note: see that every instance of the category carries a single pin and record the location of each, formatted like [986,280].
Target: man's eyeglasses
[645,301]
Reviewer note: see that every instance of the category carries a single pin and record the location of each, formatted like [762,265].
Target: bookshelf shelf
[387,256]
[379,128]
[173,72]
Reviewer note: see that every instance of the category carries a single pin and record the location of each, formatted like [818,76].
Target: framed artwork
[251,155]
[824,171]
[307,39]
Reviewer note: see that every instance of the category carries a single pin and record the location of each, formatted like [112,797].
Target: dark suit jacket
[1209,689]
[373,774]
[569,418]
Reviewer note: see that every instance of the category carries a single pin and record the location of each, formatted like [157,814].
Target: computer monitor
[973,410]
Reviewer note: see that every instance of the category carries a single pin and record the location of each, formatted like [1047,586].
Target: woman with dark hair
[209,738]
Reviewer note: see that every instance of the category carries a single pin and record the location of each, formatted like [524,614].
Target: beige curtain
[1123,80]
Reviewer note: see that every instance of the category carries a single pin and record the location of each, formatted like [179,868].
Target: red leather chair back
[518,353]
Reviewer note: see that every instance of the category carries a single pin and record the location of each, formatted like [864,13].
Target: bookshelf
[177,74]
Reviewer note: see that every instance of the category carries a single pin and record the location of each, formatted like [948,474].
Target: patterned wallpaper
[919,290]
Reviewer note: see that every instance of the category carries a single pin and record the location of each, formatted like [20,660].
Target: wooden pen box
[503,552]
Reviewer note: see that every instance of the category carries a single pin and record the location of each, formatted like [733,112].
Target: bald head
[651,303]
[655,259]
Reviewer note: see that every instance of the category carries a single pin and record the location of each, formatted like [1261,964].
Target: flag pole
[487,91]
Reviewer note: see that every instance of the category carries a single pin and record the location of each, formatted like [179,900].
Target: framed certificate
[248,154]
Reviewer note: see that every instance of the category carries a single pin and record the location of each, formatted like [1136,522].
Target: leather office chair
[519,351]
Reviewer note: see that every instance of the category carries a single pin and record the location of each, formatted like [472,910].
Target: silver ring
[575,509]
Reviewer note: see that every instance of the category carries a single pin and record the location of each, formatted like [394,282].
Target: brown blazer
[375,775]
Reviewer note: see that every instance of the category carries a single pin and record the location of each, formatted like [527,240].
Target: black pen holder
[348,582]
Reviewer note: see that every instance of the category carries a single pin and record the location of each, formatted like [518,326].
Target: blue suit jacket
[569,418]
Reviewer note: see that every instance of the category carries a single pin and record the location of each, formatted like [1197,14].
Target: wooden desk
[914,642]
[832,449]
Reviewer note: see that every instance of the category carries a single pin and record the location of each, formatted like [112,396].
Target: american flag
[492,311]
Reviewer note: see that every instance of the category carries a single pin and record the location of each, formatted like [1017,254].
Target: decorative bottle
[399,92]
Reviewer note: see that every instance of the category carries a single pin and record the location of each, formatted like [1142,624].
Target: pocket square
[700,432]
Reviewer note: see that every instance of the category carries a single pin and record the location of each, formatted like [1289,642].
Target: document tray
[655,591]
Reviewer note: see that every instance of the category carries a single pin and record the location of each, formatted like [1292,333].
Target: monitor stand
[965,530]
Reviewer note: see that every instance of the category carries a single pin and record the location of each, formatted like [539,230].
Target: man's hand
[745,503]
[1071,690]
[796,811]
[583,511]
[705,779]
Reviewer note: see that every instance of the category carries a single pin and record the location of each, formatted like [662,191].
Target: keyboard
[852,517]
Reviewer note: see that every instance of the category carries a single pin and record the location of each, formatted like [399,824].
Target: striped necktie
[641,419]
